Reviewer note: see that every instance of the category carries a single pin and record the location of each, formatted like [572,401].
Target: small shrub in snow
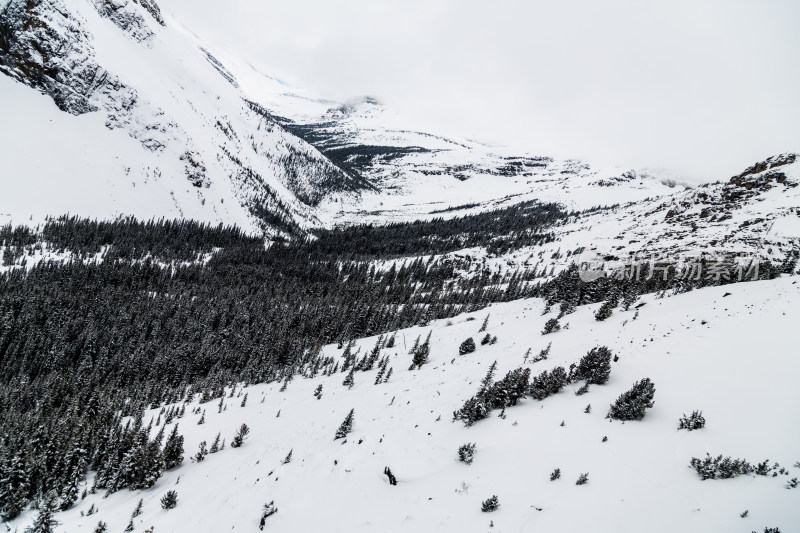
[605,310]
[102,527]
[288,458]
[169,500]
[468,346]
[490,504]
[201,452]
[466,452]
[504,393]
[583,479]
[720,467]
[631,405]
[594,367]
[692,422]
[388,473]
[548,383]
[543,354]
[792,483]
[551,326]
[268,510]
[583,389]
[555,474]
[241,434]
[486,340]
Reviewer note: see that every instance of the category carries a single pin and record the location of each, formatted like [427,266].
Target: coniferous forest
[147,313]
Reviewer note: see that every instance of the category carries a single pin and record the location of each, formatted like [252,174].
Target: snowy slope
[732,356]
[152,124]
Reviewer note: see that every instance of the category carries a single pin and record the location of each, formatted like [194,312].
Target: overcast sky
[696,89]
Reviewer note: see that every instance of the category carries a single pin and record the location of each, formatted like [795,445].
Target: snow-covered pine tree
[422,353]
[215,445]
[44,521]
[466,453]
[490,504]
[594,367]
[200,456]
[138,510]
[468,346]
[172,454]
[349,380]
[241,434]
[551,326]
[346,426]
[169,500]
[631,405]
[605,310]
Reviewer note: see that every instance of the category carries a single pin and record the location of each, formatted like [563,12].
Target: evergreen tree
[44,521]
[631,405]
[422,352]
[138,510]
[169,500]
[346,426]
[200,456]
[241,434]
[550,326]
[468,346]
[173,449]
[490,504]
[594,367]
[349,380]
[215,445]
[605,310]
[466,453]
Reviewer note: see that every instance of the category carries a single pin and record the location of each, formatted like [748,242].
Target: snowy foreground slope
[733,356]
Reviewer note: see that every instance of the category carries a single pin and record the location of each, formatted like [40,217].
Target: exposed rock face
[43,45]
[127,17]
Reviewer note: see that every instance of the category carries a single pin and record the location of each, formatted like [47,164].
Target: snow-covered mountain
[697,348]
[111,108]
[137,117]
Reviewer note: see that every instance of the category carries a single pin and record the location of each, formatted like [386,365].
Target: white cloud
[698,89]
